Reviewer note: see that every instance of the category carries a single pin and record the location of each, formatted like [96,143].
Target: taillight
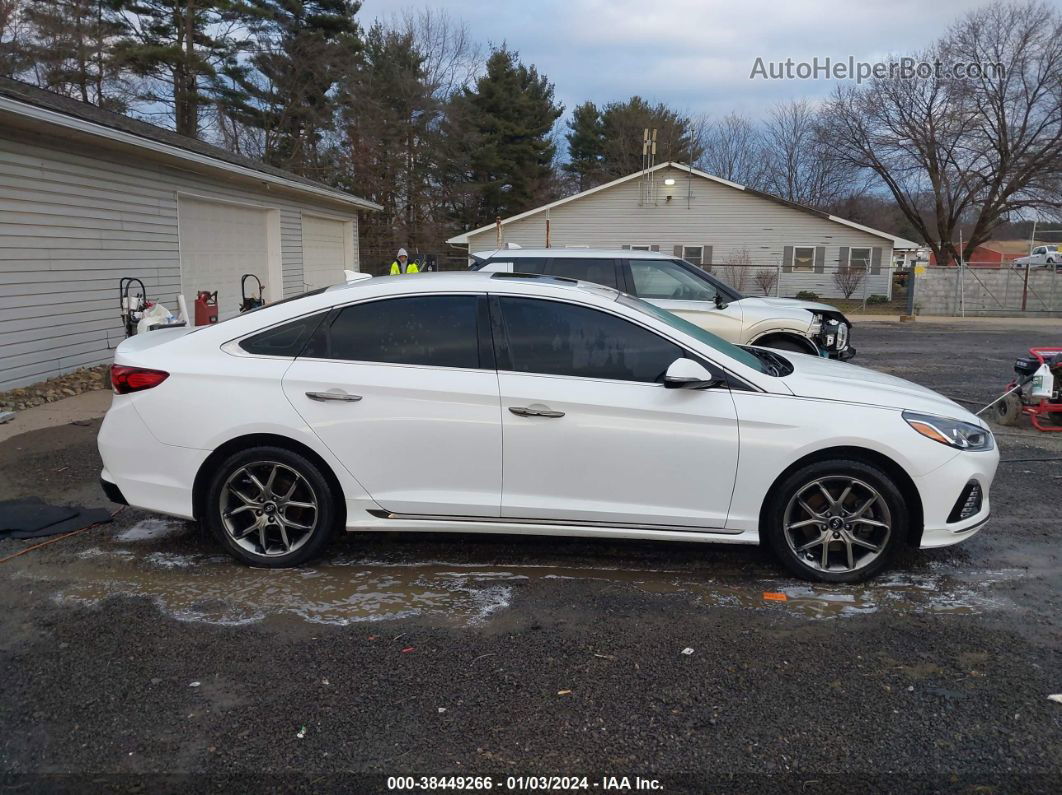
[134,379]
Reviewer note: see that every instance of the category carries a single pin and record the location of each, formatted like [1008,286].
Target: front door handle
[534,411]
[333,396]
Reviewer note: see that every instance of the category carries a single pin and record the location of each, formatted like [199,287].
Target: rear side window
[525,264]
[598,271]
[433,330]
[285,340]
[555,338]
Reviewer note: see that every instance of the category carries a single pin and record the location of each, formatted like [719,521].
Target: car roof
[570,253]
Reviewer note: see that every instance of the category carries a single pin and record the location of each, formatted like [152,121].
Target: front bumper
[842,356]
[941,488]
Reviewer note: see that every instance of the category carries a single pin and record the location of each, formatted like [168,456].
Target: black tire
[281,519]
[782,344]
[1008,410]
[890,510]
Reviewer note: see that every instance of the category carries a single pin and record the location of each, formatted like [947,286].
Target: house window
[859,259]
[639,248]
[803,258]
[694,255]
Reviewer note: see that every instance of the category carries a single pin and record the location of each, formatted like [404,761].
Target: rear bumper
[142,471]
[110,488]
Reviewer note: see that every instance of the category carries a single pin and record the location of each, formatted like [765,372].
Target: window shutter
[706,257]
[842,260]
[875,261]
[654,247]
[787,259]
[626,248]
[678,251]
[820,259]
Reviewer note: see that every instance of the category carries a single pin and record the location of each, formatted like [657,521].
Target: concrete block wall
[985,291]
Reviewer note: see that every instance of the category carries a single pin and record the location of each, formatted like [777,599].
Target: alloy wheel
[268,508]
[837,524]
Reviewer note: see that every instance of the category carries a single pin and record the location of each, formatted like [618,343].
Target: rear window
[287,339]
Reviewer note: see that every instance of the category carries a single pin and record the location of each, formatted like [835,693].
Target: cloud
[695,55]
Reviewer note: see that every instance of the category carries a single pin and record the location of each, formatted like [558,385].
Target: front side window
[598,271]
[804,258]
[859,259]
[432,330]
[555,338]
[693,255]
[663,279]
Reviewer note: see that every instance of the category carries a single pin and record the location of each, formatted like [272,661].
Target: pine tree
[586,146]
[389,129]
[178,46]
[302,50]
[622,127]
[69,48]
[511,113]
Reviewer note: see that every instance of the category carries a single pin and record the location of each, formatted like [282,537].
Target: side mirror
[688,374]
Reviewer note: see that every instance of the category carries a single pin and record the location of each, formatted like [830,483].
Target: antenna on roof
[648,161]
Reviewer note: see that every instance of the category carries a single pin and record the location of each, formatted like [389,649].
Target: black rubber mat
[33,518]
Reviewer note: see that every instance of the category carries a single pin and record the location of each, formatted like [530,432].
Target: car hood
[787,303]
[826,379]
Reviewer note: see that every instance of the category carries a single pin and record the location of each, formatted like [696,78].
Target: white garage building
[88,197]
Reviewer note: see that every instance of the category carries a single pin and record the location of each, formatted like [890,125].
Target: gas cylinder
[206,307]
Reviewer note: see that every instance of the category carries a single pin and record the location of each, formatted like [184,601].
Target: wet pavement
[137,649]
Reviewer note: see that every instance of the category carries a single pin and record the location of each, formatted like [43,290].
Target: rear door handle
[532,411]
[322,396]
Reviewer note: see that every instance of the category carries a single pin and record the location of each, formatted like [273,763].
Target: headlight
[842,336]
[960,435]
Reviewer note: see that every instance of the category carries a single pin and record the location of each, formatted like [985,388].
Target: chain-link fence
[378,261]
[875,285]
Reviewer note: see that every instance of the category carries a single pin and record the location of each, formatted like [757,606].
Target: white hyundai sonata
[506,403]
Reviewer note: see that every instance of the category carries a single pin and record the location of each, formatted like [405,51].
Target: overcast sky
[695,55]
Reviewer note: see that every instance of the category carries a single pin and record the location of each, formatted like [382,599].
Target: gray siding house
[722,226]
[88,197]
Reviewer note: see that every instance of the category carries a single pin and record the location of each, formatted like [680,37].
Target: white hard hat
[402,253]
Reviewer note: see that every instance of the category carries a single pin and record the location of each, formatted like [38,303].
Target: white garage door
[323,251]
[220,243]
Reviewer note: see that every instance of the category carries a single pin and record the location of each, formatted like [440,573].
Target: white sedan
[503,403]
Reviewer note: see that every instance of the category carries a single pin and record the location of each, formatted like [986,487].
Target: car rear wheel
[270,507]
[836,521]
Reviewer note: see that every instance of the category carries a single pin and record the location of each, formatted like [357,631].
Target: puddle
[347,590]
[151,530]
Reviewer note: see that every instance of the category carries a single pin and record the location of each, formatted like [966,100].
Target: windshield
[699,334]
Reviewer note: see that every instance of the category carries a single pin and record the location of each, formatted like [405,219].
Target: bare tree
[968,150]
[733,150]
[452,60]
[848,280]
[739,265]
[798,164]
[12,33]
[766,279]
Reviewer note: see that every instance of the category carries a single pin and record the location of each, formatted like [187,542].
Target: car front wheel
[270,507]
[836,521]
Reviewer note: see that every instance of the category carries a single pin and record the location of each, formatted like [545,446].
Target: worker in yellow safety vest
[403,265]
